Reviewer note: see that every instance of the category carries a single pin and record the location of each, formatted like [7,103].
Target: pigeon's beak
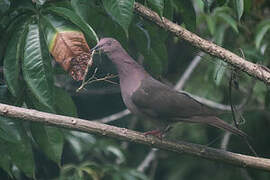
[96,48]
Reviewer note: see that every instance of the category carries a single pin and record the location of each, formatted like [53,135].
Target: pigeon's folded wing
[158,100]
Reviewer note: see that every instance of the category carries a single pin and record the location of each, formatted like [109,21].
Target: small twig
[90,62]
[93,78]
[230,98]
[239,109]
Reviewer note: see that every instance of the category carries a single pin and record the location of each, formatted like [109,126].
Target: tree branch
[250,68]
[132,136]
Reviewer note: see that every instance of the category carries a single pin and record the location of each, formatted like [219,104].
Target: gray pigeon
[145,96]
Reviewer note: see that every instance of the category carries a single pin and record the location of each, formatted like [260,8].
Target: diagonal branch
[255,70]
[133,136]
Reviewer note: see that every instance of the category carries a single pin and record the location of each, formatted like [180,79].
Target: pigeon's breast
[128,87]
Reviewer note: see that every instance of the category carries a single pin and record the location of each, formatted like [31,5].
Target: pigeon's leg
[158,133]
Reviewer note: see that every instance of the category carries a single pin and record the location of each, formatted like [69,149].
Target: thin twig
[89,63]
[93,79]
[239,109]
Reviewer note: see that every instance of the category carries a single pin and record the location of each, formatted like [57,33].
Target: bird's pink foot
[157,133]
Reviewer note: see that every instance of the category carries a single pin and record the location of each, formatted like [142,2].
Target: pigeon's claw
[157,133]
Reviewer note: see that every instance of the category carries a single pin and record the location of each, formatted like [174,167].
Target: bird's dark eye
[109,43]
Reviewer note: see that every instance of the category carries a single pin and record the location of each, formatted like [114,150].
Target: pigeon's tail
[216,122]
[223,125]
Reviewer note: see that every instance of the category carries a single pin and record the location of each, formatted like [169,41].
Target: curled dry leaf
[72,52]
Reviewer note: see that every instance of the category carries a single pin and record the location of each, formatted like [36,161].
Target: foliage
[32,79]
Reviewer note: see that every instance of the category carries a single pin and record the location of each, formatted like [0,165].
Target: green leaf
[50,140]
[9,28]
[220,67]
[219,34]
[222,9]
[9,130]
[5,161]
[221,2]
[168,9]
[262,29]
[138,174]
[26,5]
[267,99]
[12,60]
[149,46]
[229,20]
[239,5]
[21,153]
[120,11]
[5,96]
[219,71]
[14,136]
[253,54]
[157,5]
[62,3]
[186,9]
[64,103]
[247,5]
[40,2]
[117,152]
[4,6]
[211,24]
[153,63]
[77,20]
[36,66]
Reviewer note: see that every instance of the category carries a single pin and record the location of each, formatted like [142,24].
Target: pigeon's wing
[158,100]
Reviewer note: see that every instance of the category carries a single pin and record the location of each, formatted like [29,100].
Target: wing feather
[158,100]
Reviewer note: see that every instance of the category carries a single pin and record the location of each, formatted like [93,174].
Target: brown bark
[135,137]
[260,72]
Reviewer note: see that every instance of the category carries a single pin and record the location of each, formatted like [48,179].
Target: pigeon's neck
[126,66]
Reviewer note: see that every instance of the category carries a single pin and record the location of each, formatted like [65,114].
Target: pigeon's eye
[109,43]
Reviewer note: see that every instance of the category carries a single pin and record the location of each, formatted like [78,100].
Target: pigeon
[145,96]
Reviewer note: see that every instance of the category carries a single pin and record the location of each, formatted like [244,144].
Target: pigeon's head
[107,45]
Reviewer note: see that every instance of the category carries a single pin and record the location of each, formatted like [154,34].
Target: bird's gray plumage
[144,95]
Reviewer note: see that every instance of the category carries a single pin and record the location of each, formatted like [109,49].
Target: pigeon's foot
[157,133]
